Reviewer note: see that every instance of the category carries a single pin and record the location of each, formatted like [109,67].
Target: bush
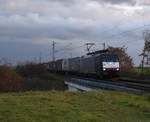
[29,77]
[31,69]
[39,84]
[37,77]
[10,80]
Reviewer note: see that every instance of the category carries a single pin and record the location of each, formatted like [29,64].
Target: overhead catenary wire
[68,50]
[74,48]
[124,32]
[63,48]
[127,31]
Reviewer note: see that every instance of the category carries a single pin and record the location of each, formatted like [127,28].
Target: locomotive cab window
[110,58]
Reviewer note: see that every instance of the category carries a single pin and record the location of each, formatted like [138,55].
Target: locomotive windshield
[110,58]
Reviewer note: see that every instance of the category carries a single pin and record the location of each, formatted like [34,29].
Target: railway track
[132,80]
[123,85]
[135,84]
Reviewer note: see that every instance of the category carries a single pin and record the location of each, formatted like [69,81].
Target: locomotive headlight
[117,69]
[104,69]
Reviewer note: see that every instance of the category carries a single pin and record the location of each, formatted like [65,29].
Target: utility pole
[104,46]
[89,46]
[146,52]
[71,50]
[40,58]
[53,50]
[35,60]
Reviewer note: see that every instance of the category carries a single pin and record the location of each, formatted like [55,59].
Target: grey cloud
[60,28]
[130,2]
[144,2]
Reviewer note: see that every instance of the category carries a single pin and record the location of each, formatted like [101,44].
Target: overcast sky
[27,27]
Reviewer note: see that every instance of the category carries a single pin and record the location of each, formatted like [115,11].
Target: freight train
[99,63]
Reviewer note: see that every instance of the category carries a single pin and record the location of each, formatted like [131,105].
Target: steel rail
[111,85]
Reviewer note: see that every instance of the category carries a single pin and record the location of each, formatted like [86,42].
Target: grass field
[137,73]
[142,71]
[74,107]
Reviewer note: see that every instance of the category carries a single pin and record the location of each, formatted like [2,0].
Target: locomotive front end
[110,64]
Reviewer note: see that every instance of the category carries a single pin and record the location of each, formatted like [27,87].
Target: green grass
[136,73]
[74,107]
[142,71]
